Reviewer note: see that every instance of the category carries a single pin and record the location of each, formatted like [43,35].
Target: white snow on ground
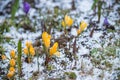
[83,51]
[74,32]
[84,5]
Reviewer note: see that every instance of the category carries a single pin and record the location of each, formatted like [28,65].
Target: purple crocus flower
[26,7]
[106,23]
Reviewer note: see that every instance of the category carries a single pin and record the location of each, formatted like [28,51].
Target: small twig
[91,33]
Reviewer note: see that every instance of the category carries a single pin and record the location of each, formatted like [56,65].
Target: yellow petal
[12,69]
[12,62]
[83,25]
[57,54]
[25,50]
[53,49]
[44,35]
[12,54]
[46,39]
[47,42]
[68,20]
[28,44]
[49,36]
[10,74]
[32,51]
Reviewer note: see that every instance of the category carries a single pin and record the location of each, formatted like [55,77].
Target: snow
[74,32]
[83,51]
[84,5]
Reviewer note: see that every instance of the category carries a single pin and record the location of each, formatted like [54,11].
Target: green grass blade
[19,58]
[99,10]
[14,8]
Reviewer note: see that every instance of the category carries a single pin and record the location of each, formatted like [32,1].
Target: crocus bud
[26,7]
[3,57]
[106,23]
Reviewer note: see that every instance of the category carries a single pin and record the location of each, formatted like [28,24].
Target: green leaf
[72,75]
[56,10]
[14,8]
[19,58]
[94,4]
[99,10]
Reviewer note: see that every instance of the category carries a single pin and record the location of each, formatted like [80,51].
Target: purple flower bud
[26,7]
[106,23]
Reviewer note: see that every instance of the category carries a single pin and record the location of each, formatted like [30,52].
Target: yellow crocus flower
[45,35]
[10,74]
[12,54]
[25,50]
[47,42]
[32,51]
[46,39]
[28,44]
[3,57]
[12,69]
[53,49]
[68,20]
[12,62]
[83,25]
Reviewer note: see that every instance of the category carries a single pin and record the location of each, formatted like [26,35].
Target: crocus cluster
[68,21]
[12,63]
[29,51]
[83,25]
[46,41]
